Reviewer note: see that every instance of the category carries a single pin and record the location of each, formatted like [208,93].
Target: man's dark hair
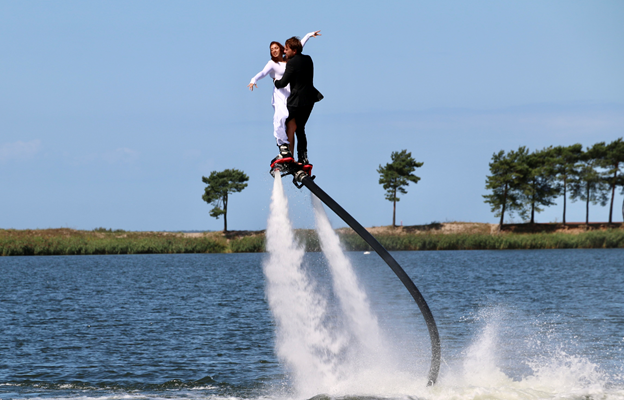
[295,44]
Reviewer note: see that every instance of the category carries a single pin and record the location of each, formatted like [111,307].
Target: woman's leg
[291,127]
[279,123]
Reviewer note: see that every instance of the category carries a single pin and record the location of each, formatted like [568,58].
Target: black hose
[383,253]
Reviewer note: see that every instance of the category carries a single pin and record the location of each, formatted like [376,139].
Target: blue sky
[112,111]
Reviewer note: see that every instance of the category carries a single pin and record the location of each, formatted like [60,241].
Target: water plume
[305,344]
[361,322]
[326,348]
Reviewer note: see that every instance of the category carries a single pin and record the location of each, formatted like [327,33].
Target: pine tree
[590,185]
[613,161]
[507,174]
[220,185]
[538,184]
[397,174]
[566,167]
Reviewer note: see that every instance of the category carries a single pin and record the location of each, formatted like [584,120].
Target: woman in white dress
[275,69]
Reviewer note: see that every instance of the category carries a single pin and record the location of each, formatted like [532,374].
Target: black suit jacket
[300,74]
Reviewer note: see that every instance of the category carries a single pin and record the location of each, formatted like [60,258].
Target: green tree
[622,192]
[220,185]
[507,174]
[590,185]
[397,174]
[538,184]
[613,161]
[566,167]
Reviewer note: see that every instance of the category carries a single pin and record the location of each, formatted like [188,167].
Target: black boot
[303,158]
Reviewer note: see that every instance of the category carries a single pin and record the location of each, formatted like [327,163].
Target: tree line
[525,182]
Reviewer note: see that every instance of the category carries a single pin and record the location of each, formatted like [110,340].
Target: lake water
[513,325]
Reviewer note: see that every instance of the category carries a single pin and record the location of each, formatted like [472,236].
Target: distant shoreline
[435,236]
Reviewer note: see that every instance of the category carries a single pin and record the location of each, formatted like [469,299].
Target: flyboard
[302,176]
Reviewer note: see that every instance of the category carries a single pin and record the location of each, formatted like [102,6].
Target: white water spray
[307,347]
[344,355]
[367,338]
[353,358]
[370,366]
[482,372]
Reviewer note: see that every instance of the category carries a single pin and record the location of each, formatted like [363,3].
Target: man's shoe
[303,159]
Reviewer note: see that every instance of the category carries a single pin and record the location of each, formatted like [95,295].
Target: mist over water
[526,365]
[286,324]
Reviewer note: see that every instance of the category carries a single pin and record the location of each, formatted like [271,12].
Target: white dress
[276,70]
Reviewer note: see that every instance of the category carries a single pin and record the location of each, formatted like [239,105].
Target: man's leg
[303,114]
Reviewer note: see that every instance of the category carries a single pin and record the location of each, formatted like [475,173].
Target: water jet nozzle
[290,167]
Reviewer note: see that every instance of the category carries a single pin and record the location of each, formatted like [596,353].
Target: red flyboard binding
[288,166]
[285,160]
[307,168]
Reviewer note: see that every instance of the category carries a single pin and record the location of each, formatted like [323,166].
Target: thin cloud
[122,155]
[19,151]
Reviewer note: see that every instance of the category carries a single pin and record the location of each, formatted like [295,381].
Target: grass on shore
[587,240]
[71,242]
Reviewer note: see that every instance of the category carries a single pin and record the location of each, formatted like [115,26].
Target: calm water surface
[198,326]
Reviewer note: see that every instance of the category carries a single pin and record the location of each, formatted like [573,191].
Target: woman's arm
[265,71]
[308,36]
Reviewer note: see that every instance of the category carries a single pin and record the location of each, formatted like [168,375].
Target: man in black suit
[300,74]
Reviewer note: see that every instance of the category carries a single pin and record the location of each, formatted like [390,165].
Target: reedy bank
[70,242]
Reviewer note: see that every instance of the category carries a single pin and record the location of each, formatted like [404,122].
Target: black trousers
[300,115]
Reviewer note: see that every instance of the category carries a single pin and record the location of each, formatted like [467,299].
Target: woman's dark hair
[281,57]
